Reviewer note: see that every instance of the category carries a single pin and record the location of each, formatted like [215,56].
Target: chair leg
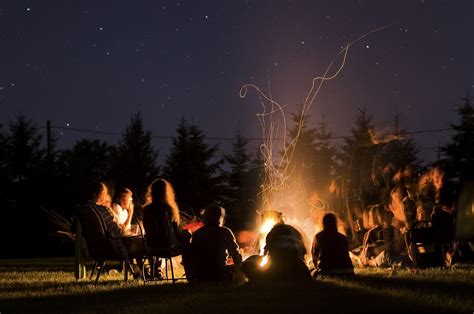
[143,271]
[166,268]
[99,271]
[153,265]
[172,270]
[142,267]
[130,270]
[126,270]
[93,270]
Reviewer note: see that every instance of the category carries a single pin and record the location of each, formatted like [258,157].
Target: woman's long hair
[161,190]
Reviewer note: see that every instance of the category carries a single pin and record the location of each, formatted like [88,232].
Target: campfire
[268,219]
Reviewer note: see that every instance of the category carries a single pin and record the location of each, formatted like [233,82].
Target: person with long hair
[330,250]
[161,220]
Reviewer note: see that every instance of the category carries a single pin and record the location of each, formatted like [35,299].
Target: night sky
[91,64]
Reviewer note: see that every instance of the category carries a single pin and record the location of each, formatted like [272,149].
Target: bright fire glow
[283,187]
[264,261]
[267,226]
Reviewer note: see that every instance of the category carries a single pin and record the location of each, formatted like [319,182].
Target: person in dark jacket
[330,250]
[211,247]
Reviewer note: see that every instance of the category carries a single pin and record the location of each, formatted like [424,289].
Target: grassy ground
[48,286]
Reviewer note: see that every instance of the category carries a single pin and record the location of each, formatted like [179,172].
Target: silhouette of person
[211,245]
[330,250]
[286,250]
[161,220]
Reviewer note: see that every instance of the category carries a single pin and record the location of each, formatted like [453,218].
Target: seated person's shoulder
[225,229]
[341,236]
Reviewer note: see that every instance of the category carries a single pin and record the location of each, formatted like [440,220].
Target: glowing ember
[264,261]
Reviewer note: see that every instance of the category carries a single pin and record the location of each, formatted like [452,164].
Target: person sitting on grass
[211,246]
[330,250]
[286,251]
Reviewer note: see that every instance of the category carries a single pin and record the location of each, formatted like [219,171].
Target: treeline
[34,178]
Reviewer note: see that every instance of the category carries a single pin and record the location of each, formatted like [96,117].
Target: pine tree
[301,150]
[23,155]
[361,136]
[135,165]
[237,178]
[193,169]
[325,164]
[402,151]
[458,154]
[88,160]
[256,178]
[354,165]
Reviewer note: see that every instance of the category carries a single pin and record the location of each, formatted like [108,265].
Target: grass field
[48,285]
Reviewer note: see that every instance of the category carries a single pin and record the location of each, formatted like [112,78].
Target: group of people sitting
[384,242]
[211,252]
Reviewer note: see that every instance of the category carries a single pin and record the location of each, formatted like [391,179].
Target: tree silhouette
[302,151]
[237,181]
[88,160]
[458,155]
[135,164]
[354,162]
[325,164]
[401,152]
[192,168]
[23,156]
[361,135]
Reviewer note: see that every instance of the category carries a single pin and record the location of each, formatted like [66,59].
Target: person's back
[286,250]
[160,231]
[331,249]
[210,247]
